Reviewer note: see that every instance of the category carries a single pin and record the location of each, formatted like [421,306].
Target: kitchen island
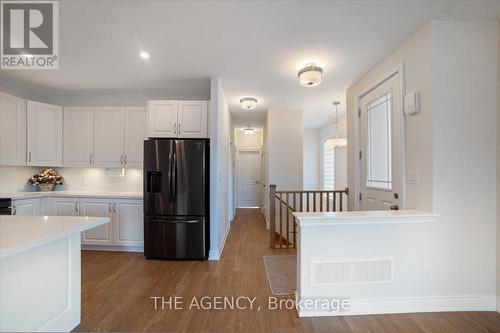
[40,271]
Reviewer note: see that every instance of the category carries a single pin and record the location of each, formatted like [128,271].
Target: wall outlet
[427,271]
[414,177]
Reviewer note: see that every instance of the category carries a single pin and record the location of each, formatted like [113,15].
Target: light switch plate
[414,177]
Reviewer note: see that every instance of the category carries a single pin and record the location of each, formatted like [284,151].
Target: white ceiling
[256,48]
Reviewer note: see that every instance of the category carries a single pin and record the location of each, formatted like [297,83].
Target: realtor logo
[29,35]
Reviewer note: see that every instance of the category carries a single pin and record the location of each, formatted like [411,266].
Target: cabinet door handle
[14,210]
[29,157]
[114,207]
[90,159]
[77,209]
[121,159]
[109,208]
[175,128]
[179,128]
[125,159]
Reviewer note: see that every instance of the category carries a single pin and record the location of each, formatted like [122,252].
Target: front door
[249,178]
[380,155]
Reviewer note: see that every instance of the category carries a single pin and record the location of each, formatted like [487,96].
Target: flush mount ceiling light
[144,55]
[248,130]
[337,142]
[310,75]
[248,103]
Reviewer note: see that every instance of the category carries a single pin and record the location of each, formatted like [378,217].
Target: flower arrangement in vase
[46,179]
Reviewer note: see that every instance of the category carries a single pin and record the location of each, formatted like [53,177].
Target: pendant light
[337,142]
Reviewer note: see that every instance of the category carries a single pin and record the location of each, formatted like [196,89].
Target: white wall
[311,161]
[415,53]
[220,136]
[464,77]
[451,142]
[498,172]
[246,141]
[340,156]
[285,137]
[13,179]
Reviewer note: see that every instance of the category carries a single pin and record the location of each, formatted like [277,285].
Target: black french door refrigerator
[176,198]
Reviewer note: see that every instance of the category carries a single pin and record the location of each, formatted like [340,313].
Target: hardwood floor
[117,289]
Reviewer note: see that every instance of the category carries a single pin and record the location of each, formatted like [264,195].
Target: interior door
[109,136]
[249,165]
[381,168]
[136,131]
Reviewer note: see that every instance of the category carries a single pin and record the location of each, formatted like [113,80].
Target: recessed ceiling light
[144,55]
[310,75]
[248,103]
[248,130]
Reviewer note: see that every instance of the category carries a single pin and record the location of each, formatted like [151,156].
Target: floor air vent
[353,271]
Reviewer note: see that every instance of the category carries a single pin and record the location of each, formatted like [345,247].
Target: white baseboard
[113,248]
[410,305]
[215,255]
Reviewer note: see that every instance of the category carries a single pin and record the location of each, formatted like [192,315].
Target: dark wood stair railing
[281,237]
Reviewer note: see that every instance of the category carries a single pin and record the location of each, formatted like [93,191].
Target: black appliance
[176,198]
[6,206]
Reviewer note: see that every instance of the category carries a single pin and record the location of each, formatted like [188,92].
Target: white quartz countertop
[364,217]
[20,233]
[76,194]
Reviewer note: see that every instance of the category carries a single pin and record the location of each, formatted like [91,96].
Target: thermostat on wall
[412,103]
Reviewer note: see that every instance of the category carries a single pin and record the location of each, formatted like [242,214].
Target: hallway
[117,288]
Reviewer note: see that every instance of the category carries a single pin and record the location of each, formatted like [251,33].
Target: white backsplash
[14,179]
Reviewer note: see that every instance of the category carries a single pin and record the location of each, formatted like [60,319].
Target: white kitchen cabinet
[102,235]
[44,134]
[26,206]
[162,119]
[128,222]
[12,130]
[136,131]
[192,119]
[78,135]
[64,207]
[109,136]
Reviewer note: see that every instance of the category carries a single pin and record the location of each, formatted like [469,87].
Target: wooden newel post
[272,216]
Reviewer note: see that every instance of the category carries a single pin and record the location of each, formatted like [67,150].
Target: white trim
[113,248]
[409,305]
[399,69]
[215,255]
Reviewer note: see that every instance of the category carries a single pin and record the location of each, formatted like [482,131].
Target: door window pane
[379,143]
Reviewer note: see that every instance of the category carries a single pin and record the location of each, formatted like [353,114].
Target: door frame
[398,70]
[237,175]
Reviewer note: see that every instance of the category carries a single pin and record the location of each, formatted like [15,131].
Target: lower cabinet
[26,206]
[126,219]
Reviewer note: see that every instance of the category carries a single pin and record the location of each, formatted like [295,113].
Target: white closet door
[136,131]
[109,136]
[12,130]
[78,136]
[45,137]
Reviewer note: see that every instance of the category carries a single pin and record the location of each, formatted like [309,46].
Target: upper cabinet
[45,134]
[136,131]
[162,119]
[182,119]
[109,136]
[78,136]
[12,130]
[192,119]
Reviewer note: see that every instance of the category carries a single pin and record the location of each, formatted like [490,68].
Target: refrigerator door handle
[174,173]
[177,221]
[170,171]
